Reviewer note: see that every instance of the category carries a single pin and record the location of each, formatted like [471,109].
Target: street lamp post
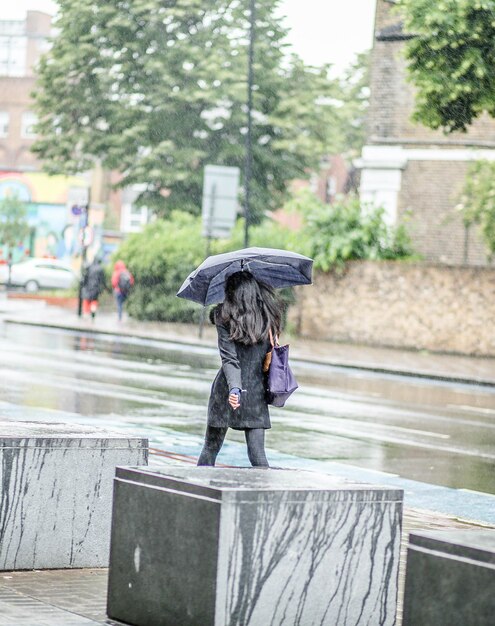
[249,147]
[84,253]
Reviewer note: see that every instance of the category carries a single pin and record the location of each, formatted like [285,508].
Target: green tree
[157,88]
[14,227]
[478,201]
[353,106]
[451,60]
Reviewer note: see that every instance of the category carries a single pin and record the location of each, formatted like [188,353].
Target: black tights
[255,440]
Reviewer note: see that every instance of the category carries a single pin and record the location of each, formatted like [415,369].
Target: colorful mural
[56,230]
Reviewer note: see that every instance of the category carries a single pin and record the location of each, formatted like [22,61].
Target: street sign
[77,197]
[220,203]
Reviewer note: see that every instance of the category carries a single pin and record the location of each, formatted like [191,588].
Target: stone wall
[403,305]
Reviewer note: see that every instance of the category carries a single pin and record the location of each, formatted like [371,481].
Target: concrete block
[450,578]
[56,493]
[247,547]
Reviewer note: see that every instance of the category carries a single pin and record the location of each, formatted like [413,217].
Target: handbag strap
[273,343]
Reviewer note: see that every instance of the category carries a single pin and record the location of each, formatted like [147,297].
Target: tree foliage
[14,227]
[478,201]
[353,106]
[166,251]
[157,88]
[160,257]
[347,230]
[451,60]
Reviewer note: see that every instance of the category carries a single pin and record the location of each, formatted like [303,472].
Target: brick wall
[397,304]
[15,96]
[15,99]
[429,194]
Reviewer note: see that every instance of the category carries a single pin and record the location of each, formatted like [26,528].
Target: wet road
[439,433]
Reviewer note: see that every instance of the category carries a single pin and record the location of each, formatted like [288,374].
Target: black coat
[93,282]
[242,367]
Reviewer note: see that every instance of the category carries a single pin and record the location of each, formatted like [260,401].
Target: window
[27,125]
[133,216]
[49,266]
[13,44]
[4,124]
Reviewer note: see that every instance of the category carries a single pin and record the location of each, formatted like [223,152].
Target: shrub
[160,257]
[345,230]
[166,251]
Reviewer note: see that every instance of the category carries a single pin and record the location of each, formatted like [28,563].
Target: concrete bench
[215,546]
[450,578]
[56,493]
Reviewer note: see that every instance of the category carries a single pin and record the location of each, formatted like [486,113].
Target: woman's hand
[235,398]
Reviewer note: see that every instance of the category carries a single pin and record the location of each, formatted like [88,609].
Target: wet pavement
[433,438]
[411,432]
[78,597]
[387,360]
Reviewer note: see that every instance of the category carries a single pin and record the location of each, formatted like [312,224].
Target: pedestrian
[93,284]
[244,321]
[122,282]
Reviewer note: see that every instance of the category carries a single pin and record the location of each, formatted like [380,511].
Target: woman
[244,322]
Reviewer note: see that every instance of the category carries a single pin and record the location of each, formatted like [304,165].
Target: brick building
[21,44]
[414,172]
[55,229]
[328,181]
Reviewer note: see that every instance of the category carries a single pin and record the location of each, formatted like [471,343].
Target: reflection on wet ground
[440,433]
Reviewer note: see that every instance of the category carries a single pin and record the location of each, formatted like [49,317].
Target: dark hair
[250,309]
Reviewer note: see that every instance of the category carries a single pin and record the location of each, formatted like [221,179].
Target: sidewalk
[78,597]
[454,368]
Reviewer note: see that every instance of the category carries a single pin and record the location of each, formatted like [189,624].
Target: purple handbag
[281,382]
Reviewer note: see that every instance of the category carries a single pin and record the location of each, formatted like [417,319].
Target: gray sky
[330,31]
[322,31]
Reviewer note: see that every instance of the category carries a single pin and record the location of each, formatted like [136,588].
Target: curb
[301,359]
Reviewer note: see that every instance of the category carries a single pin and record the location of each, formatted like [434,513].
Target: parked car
[34,274]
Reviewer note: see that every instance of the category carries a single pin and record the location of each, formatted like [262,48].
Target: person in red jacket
[122,282]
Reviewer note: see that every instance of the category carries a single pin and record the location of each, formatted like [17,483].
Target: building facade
[328,181]
[21,44]
[415,173]
[56,228]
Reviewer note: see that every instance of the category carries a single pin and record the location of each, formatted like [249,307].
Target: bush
[345,230]
[160,257]
[166,251]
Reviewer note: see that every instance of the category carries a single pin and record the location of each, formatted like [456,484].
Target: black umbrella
[277,268]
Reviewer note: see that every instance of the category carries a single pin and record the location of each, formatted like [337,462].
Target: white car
[34,274]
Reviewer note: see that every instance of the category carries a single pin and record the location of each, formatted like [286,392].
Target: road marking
[474,409]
